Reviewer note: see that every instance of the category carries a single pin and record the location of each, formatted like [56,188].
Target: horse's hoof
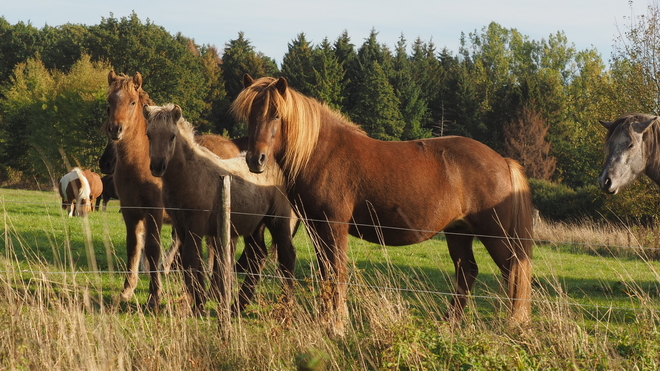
[153,302]
[126,295]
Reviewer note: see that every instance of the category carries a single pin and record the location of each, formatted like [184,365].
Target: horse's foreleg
[460,250]
[152,248]
[331,246]
[134,245]
[193,272]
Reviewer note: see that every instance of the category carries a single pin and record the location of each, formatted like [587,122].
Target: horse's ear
[176,113]
[137,81]
[247,80]
[281,85]
[112,76]
[146,111]
[606,124]
[641,127]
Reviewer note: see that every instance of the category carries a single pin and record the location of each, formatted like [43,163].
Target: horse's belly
[391,236]
[399,226]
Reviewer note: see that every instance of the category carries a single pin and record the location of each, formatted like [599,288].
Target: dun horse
[191,176]
[631,148]
[75,192]
[393,193]
[140,192]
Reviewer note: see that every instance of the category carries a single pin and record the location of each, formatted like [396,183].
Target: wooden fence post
[224,253]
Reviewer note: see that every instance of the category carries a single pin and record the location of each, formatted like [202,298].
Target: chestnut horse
[95,186]
[75,192]
[392,193]
[631,148]
[139,192]
[191,177]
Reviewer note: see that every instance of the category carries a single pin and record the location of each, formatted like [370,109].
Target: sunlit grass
[592,308]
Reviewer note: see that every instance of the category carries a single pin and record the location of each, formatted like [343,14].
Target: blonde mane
[164,115]
[301,118]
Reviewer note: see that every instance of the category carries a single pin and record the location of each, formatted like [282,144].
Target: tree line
[538,101]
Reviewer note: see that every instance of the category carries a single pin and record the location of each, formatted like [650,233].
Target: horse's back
[221,146]
[95,183]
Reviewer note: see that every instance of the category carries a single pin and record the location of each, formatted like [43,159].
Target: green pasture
[38,236]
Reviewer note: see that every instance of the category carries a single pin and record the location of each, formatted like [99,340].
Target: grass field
[596,305]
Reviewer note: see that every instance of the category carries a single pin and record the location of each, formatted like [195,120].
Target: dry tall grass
[61,321]
[607,239]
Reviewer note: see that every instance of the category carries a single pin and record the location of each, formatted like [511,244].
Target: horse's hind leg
[253,261]
[460,250]
[518,288]
[172,258]
[282,232]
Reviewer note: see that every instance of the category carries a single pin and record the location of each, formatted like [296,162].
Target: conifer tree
[297,65]
[240,58]
[328,75]
[412,106]
[376,108]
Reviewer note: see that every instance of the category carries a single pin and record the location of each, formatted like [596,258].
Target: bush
[560,203]
[637,204]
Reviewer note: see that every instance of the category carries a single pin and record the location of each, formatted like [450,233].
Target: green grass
[37,229]
[607,307]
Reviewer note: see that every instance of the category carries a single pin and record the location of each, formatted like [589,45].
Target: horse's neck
[133,148]
[652,169]
[323,150]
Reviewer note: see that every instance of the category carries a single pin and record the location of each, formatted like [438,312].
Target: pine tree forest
[537,101]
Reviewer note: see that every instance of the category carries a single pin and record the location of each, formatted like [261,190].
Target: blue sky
[271,25]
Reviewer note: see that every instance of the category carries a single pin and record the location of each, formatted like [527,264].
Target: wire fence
[362,285]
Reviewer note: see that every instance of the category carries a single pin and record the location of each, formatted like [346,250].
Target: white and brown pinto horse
[75,192]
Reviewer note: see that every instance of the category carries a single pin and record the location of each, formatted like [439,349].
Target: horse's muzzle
[605,184]
[256,162]
[158,167]
[115,131]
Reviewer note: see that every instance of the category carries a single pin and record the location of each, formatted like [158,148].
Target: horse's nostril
[262,159]
[608,182]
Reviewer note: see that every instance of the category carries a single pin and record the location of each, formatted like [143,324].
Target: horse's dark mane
[628,118]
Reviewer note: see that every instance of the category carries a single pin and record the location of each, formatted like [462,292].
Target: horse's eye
[172,138]
[631,145]
[133,103]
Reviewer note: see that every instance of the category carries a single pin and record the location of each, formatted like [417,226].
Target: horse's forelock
[124,82]
[299,114]
[166,114]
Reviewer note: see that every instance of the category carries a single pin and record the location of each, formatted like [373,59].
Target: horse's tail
[520,269]
[84,193]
